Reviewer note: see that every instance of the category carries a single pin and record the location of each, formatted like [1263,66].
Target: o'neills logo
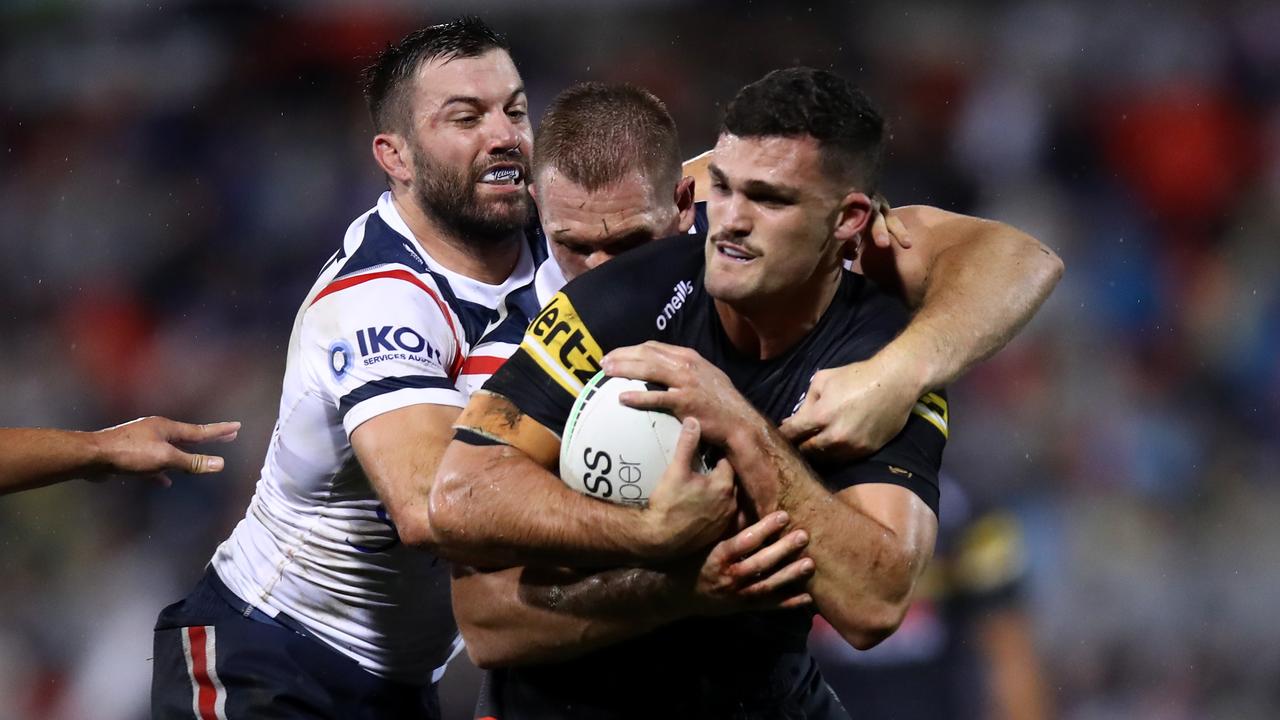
[682,291]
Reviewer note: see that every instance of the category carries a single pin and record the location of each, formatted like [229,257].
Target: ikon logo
[392,339]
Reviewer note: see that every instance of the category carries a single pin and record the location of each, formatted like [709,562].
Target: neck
[765,328]
[489,262]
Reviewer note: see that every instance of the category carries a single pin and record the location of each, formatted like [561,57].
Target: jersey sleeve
[379,344]
[912,459]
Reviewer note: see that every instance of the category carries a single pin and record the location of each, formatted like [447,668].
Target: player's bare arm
[974,283]
[399,452]
[519,616]
[499,503]
[35,457]
[869,542]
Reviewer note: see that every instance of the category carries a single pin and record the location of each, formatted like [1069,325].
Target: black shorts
[218,658]
[518,694]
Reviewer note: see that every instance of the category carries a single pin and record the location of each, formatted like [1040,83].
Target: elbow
[447,511]
[1054,266]
[871,628]
[483,651]
[415,532]
[877,615]
[1045,264]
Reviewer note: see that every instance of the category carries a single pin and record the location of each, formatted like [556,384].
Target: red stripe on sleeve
[456,366]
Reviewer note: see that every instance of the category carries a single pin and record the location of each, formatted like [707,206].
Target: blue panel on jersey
[474,316]
[382,246]
[700,222]
[387,385]
[533,234]
[522,307]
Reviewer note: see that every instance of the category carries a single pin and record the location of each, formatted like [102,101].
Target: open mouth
[503,175]
[735,253]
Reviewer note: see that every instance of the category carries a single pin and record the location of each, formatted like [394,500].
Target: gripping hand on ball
[688,509]
[694,388]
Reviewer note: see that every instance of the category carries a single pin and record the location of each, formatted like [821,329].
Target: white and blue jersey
[384,327]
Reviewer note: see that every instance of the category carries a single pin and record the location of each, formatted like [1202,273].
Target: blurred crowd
[172,177]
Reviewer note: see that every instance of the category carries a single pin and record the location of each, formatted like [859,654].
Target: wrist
[917,365]
[96,449]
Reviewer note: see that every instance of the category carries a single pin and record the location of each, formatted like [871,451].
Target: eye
[466,120]
[773,202]
[517,115]
[575,248]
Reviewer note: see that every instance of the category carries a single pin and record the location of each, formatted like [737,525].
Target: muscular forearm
[977,293]
[520,616]
[865,568]
[493,506]
[33,457]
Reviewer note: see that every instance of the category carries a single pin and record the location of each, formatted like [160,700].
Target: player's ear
[393,155]
[685,205]
[852,217]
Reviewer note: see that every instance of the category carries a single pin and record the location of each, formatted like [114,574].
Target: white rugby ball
[614,452]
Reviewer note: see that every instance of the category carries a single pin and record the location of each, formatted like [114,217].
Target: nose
[736,217]
[504,136]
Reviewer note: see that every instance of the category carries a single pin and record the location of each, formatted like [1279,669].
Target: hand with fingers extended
[150,446]
[852,411]
[689,509]
[694,388]
[762,567]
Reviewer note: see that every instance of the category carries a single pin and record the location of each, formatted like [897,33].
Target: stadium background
[173,175]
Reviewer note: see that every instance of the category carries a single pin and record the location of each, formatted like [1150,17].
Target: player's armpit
[399,452]
[494,417]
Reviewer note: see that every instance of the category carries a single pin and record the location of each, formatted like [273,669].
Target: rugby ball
[614,452]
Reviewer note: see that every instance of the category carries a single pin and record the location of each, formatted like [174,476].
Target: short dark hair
[804,101]
[385,81]
[596,133]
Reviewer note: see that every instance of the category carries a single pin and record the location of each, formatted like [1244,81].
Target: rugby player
[326,600]
[764,296]
[323,596]
[35,457]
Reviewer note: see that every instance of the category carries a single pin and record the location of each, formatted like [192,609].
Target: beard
[450,196]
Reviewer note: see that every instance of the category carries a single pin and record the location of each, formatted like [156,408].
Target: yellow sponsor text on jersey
[562,346]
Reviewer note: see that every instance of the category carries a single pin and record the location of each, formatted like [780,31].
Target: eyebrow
[756,186]
[473,100]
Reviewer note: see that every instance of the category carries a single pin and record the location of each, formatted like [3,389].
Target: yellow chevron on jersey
[933,407]
[562,346]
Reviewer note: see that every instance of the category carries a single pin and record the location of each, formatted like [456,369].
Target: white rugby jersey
[384,327]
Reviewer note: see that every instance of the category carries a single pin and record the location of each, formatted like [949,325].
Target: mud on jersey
[383,327]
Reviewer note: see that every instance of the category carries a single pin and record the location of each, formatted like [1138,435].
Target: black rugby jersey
[704,666]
